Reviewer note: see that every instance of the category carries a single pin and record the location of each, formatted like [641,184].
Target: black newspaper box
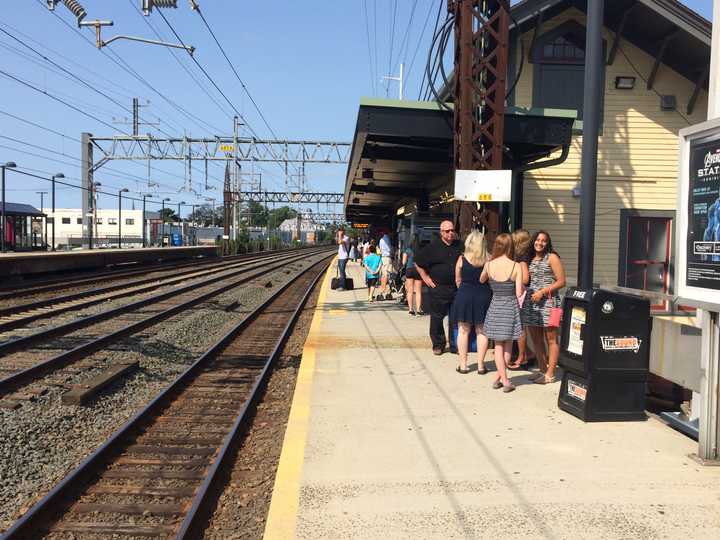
[605,353]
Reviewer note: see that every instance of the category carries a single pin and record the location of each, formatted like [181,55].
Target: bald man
[436,266]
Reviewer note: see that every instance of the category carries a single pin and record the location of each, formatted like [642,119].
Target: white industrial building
[69,229]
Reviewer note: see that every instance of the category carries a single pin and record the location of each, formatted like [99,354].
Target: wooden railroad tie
[83,392]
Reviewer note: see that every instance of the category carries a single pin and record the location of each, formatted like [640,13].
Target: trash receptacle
[605,353]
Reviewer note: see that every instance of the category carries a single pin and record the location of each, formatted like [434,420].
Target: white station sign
[483,186]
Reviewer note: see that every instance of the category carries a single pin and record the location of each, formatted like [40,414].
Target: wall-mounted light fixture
[624,83]
[356,200]
[576,191]
[668,103]
[368,174]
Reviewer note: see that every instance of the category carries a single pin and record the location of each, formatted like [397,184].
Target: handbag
[555,317]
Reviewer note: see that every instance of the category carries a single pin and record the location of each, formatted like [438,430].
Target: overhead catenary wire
[392,43]
[370,65]
[422,34]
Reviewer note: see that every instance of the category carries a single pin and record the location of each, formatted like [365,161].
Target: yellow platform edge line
[284,505]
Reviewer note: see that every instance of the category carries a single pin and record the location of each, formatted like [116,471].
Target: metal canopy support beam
[592,107]
[618,35]
[481,54]
[698,86]
[659,57]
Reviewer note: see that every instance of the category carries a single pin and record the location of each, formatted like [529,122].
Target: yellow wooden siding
[637,156]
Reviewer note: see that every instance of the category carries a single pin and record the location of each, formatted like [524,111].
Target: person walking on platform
[436,265]
[413,283]
[372,264]
[502,322]
[385,246]
[353,250]
[521,244]
[471,301]
[343,243]
[547,277]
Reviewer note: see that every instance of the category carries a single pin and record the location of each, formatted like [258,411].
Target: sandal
[535,376]
[508,388]
[482,370]
[462,371]
[544,380]
[497,385]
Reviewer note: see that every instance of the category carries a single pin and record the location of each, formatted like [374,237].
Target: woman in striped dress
[547,277]
[502,321]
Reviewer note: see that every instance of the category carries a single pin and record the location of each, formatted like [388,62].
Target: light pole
[212,201]
[58,175]
[162,216]
[145,196]
[180,221]
[123,190]
[42,210]
[8,165]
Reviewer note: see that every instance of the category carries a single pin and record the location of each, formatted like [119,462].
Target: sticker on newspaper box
[612,343]
[577,390]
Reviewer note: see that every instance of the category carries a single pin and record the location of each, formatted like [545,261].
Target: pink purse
[555,316]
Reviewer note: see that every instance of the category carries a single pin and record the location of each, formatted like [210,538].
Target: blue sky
[306,64]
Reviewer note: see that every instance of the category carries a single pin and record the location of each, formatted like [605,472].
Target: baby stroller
[396,283]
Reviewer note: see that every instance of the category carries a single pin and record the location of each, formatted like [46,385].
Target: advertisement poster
[577,319]
[703,238]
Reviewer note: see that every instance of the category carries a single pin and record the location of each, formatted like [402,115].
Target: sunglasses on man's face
[447,230]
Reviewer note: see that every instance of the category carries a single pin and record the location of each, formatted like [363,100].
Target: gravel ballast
[42,441]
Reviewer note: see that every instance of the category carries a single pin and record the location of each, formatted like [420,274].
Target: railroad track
[153,476]
[19,290]
[22,314]
[37,356]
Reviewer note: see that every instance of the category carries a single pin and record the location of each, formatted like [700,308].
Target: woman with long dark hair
[547,277]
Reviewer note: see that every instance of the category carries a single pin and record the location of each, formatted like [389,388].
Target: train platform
[34,263]
[386,440]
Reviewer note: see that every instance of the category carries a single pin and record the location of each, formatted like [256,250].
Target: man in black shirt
[436,266]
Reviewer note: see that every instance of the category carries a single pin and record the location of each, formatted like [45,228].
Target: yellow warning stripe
[284,505]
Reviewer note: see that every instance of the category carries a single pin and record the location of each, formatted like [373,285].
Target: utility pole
[135,121]
[227,199]
[399,79]
[481,59]
[42,208]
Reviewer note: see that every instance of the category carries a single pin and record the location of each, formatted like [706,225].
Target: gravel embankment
[42,441]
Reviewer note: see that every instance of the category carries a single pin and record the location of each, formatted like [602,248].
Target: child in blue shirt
[372,263]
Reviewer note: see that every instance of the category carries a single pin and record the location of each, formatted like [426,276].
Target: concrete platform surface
[385,440]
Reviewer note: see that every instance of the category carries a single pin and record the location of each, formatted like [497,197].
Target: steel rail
[13,382]
[27,341]
[38,516]
[154,283]
[26,288]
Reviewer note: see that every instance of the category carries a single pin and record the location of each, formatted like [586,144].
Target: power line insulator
[148,5]
[74,7]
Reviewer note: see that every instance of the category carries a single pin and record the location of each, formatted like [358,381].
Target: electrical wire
[404,42]
[392,43]
[367,33]
[422,34]
[434,33]
[199,65]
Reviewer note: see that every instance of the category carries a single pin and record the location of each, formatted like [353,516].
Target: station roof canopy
[402,150]
[19,209]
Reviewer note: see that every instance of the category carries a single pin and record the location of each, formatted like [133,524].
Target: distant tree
[168,215]
[203,216]
[257,214]
[278,215]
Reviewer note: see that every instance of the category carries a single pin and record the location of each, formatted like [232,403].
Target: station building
[656,78]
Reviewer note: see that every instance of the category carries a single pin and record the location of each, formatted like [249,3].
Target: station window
[646,258]
[112,221]
[129,221]
[79,220]
[66,221]
[50,220]
[558,58]
[98,221]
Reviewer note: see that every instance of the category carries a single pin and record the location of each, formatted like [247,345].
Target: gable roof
[650,22]
[22,209]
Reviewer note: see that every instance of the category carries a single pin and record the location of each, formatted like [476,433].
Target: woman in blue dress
[471,301]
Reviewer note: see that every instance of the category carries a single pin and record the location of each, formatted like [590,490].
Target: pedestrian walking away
[471,301]
[372,264]
[503,316]
[413,283]
[385,246]
[436,265]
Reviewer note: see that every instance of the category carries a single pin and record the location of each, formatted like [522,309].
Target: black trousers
[441,298]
